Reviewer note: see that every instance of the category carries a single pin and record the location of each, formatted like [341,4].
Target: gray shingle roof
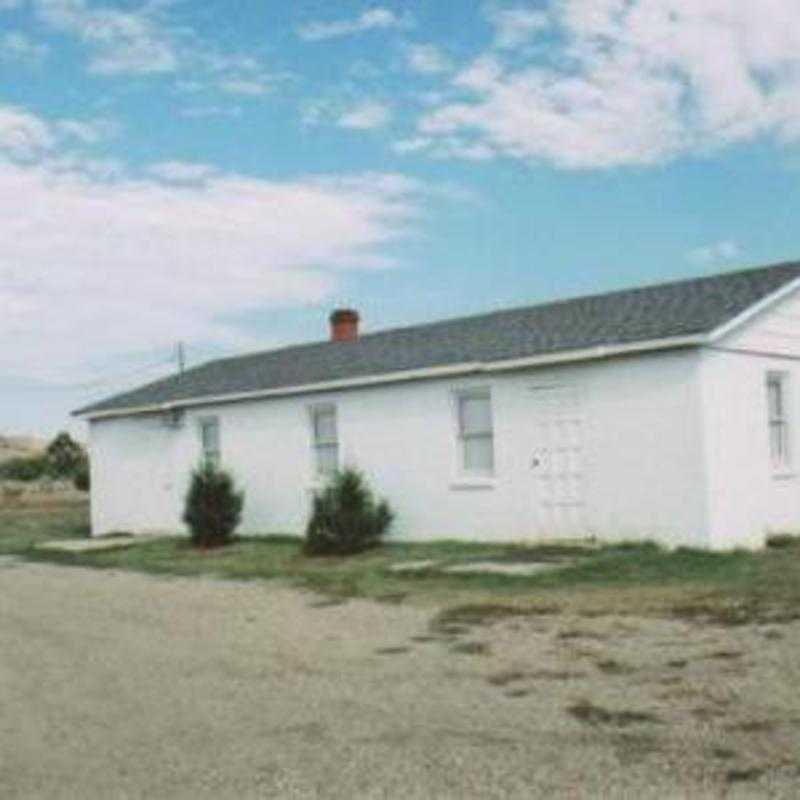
[667,310]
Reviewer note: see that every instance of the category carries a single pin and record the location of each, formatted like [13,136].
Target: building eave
[428,373]
[752,311]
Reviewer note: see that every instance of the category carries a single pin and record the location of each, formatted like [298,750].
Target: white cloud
[373,19]
[182,171]
[90,131]
[123,42]
[248,86]
[16,47]
[143,42]
[427,59]
[26,137]
[515,26]
[632,82]
[413,145]
[98,169]
[713,254]
[232,73]
[365,117]
[23,136]
[97,267]
[444,147]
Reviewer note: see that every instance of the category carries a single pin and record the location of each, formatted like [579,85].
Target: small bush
[346,518]
[213,507]
[779,541]
[24,468]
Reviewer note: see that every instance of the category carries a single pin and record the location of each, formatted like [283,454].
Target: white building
[668,412]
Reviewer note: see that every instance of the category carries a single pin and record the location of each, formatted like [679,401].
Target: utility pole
[181,353]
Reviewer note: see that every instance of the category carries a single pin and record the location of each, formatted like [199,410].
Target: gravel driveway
[118,685]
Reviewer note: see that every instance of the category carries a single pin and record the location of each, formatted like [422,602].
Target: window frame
[322,444]
[778,419]
[208,455]
[463,436]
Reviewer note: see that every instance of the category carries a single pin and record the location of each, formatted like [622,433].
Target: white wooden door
[556,462]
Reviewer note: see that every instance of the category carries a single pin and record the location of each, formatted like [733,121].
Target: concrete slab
[413,566]
[87,545]
[501,568]
[478,567]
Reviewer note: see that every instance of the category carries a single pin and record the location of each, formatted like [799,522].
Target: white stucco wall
[643,472]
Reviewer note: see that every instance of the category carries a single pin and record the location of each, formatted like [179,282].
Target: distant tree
[64,456]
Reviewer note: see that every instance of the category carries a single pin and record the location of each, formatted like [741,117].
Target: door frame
[566,518]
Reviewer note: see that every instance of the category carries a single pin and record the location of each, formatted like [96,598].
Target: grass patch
[22,529]
[471,648]
[557,674]
[632,748]
[781,541]
[731,588]
[760,604]
[610,666]
[469,615]
[576,633]
[506,677]
[754,726]
[588,712]
[740,775]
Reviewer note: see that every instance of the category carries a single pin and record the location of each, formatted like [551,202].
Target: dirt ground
[119,685]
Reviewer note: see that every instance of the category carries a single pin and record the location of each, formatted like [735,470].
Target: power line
[99,382]
[179,357]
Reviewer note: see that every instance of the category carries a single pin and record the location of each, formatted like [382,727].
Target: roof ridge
[649,312]
[508,310]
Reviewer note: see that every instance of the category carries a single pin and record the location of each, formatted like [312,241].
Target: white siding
[136,472]
[641,436]
[748,498]
[775,331]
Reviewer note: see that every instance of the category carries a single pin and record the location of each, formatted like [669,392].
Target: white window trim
[781,467]
[467,482]
[318,477]
[204,455]
[462,477]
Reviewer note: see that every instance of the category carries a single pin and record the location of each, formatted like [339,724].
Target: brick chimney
[344,325]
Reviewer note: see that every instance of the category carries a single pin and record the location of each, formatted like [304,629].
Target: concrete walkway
[88,545]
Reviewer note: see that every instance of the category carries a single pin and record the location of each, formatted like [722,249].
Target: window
[475,432]
[778,419]
[326,440]
[209,440]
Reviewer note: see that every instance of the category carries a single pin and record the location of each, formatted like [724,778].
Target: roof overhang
[754,310]
[427,373]
[709,338]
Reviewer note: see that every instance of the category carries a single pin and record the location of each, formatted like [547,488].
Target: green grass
[730,588]
[22,529]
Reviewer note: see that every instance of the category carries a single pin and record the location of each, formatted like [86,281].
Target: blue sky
[225,173]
